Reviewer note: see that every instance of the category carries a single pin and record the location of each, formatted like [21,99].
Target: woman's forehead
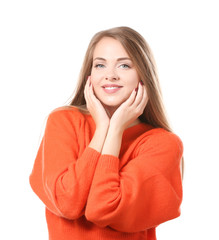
[109,47]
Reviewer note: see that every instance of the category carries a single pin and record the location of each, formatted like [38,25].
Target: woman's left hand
[130,110]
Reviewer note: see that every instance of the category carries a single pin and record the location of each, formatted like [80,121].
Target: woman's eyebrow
[99,58]
[118,59]
[124,58]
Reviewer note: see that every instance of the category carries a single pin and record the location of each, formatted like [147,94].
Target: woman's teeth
[111,87]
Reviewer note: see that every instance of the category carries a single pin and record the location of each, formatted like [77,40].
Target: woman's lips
[111,88]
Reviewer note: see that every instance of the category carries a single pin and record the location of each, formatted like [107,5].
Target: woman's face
[113,74]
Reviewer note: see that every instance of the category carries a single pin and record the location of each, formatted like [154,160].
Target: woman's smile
[111,88]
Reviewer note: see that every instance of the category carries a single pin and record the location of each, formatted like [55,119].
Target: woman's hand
[130,110]
[95,107]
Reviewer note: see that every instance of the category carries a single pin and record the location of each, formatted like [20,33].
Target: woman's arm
[99,115]
[145,193]
[62,173]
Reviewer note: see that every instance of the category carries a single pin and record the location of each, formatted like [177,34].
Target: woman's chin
[111,104]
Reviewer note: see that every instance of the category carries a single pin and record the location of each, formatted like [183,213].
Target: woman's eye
[124,66]
[99,66]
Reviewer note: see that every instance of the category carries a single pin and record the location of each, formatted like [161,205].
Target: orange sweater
[93,196]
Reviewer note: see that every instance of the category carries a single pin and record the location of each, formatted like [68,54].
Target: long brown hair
[143,60]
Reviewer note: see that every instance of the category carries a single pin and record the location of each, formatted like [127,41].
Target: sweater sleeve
[144,193]
[60,177]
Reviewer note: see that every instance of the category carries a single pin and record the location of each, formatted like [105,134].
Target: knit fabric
[93,196]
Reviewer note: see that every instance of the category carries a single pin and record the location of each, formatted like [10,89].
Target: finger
[143,101]
[144,98]
[139,95]
[131,98]
[86,89]
[89,93]
[90,89]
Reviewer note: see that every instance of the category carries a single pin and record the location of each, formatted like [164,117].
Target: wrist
[98,139]
[116,129]
[110,147]
[112,142]
[102,129]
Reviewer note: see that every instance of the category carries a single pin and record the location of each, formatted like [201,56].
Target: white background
[42,45]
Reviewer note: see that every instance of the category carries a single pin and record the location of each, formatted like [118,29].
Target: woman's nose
[111,76]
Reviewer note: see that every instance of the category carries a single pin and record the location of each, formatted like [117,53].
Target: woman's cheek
[96,76]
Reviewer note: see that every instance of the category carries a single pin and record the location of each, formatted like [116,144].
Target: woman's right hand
[95,107]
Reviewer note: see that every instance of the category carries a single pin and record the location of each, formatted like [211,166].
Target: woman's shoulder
[69,110]
[159,142]
[68,113]
[160,136]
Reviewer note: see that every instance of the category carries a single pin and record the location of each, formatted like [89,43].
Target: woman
[108,166]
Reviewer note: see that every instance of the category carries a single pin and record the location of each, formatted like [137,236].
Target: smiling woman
[108,166]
